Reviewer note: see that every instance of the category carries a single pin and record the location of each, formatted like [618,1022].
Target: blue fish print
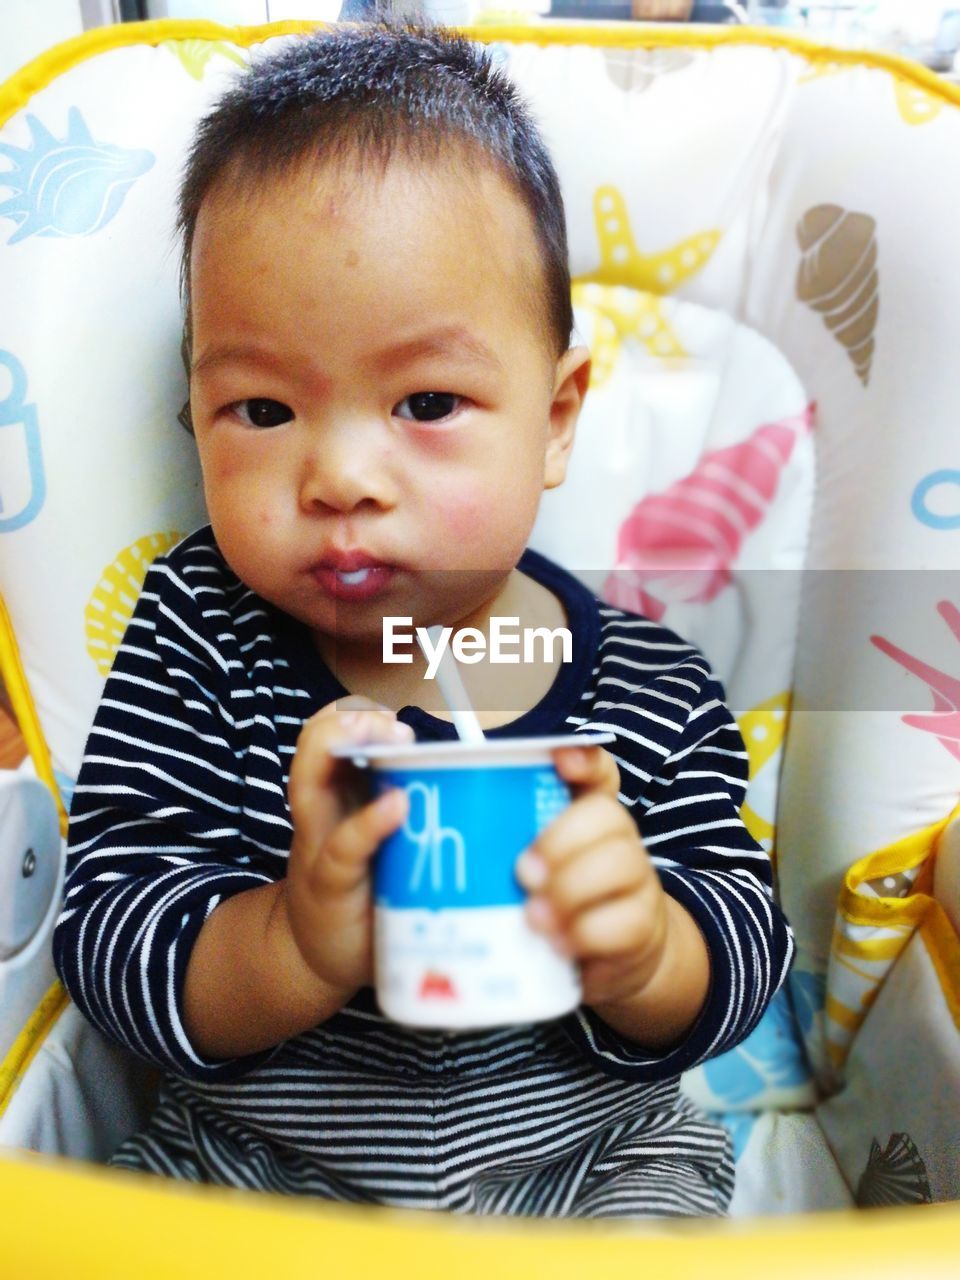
[808,991]
[770,1057]
[66,785]
[71,187]
[739,1124]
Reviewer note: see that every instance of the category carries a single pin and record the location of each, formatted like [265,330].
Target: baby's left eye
[427,406]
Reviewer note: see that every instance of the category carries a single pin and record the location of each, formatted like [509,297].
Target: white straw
[454,694]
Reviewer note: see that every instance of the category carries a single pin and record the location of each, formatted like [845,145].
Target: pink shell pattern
[679,545]
[944,720]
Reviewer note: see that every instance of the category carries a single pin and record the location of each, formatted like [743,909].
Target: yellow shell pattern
[764,728]
[195,54]
[915,105]
[818,70]
[838,277]
[111,603]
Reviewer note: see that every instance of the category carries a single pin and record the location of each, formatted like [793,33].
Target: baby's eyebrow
[453,340]
[450,341]
[214,356]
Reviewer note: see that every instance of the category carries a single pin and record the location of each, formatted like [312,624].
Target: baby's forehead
[352,190]
[452,200]
[351,181]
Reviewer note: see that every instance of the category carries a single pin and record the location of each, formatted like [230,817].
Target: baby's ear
[569,390]
[184,416]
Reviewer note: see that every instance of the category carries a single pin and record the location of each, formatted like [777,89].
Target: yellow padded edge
[903,855]
[943,947]
[25,1047]
[25,711]
[59,1221]
[36,75]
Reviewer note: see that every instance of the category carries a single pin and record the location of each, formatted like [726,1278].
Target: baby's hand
[594,890]
[327,899]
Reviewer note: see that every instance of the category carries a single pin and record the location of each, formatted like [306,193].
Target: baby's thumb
[344,859]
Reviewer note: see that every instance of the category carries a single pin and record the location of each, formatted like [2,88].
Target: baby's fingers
[588,769]
[342,863]
[621,926]
[603,871]
[591,820]
[318,779]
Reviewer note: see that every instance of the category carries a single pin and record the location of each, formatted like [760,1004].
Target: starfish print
[620,313]
[621,262]
[944,720]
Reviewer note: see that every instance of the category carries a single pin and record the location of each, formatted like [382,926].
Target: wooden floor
[12,747]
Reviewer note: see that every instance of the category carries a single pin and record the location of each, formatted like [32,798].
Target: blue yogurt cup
[452,945]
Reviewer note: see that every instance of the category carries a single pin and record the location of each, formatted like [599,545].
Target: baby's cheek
[462,513]
[484,523]
[221,471]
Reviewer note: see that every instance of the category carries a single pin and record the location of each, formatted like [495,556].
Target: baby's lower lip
[357,585]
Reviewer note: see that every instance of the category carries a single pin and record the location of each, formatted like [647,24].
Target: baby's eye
[262,413]
[427,406]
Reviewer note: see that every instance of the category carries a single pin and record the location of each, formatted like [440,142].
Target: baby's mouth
[353,577]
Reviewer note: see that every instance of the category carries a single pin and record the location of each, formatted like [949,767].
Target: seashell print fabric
[894,1125]
[71,186]
[764,730]
[112,600]
[682,544]
[885,898]
[620,313]
[838,277]
[943,721]
[623,263]
[726,210]
[195,55]
[895,1174]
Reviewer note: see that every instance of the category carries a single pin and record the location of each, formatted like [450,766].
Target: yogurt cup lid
[456,752]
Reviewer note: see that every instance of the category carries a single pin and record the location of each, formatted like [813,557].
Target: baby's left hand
[593,889]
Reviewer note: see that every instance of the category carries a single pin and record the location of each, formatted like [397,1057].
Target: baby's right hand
[326,895]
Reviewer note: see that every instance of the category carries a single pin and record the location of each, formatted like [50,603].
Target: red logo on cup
[438,986]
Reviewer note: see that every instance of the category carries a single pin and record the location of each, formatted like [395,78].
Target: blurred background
[927,30]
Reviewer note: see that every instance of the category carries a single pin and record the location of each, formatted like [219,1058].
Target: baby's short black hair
[365,92]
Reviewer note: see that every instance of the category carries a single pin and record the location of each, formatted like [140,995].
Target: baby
[381,387]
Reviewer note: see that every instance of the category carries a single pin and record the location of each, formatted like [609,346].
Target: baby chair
[762,240]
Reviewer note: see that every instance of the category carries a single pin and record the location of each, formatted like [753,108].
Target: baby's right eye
[258,412]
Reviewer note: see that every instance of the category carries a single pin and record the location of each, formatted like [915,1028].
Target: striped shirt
[181,802]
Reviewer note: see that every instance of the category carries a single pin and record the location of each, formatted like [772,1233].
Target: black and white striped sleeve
[687,809]
[154,843]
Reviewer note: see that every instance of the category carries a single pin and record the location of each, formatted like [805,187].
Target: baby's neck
[500,692]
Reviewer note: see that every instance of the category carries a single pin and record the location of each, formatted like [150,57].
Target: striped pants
[514,1121]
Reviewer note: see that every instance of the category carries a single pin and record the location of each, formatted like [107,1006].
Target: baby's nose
[346,468]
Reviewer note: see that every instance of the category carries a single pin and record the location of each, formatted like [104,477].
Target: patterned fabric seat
[761,240]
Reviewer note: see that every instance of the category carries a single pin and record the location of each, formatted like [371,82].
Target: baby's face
[376,406]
